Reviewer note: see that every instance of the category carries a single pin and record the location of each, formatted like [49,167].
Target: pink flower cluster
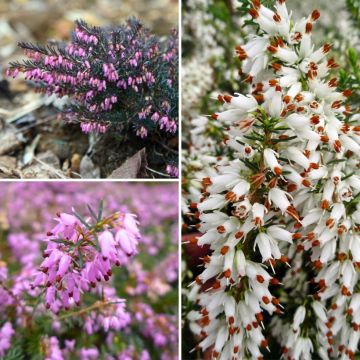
[80,255]
[104,326]
[92,127]
[109,75]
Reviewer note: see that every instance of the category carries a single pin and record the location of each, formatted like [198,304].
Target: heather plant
[88,283]
[121,79]
[279,212]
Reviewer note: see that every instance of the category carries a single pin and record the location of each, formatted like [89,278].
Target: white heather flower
[271,161]
[299,317]
[263,242]
[283,190]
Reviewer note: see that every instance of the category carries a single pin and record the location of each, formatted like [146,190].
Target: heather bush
[274,222]
[94,281]
[121,79]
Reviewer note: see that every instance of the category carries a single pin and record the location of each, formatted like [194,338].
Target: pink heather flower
[142,132]
[172,170]
[89,354]
[6,333]
[155,117]
[3,271]
[73,263]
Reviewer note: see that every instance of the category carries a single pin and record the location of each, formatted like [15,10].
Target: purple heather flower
[89,354]
[72,261]
[172,170]
[6,333]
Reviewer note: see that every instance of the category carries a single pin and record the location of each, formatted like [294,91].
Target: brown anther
[260,279]
[276,66]
[259,98]
[331,64]
[230,196]
[277,17]
[287,99]
[297,36]
[275,301]
[247,150]
[272,49]
[326,48]
[291,107]
[227,98]
[221,98]
[337,145]
[280,42]
[227,273]
[224,250]
[308,27]
[253,13]
[315,119]
[291,187]
[314,104]
[310,236]
[256,4]
[315,15]
[332,82]
[315,243]
[249,79]
[277,171]
[274,281]
[324,138]
[300,248]
[265,300]
[273,82]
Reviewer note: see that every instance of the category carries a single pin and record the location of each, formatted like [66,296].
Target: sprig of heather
[81,252]
[290,195]
[116,77]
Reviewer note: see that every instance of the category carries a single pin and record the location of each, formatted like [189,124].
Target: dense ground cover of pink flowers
[128,310]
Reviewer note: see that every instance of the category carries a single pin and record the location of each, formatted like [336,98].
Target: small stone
[9,142]
[75,163]
[88,170]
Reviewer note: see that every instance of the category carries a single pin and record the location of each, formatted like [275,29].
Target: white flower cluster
[284,214]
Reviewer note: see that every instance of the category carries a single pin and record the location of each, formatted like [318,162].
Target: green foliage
[349,77]
[353,7]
